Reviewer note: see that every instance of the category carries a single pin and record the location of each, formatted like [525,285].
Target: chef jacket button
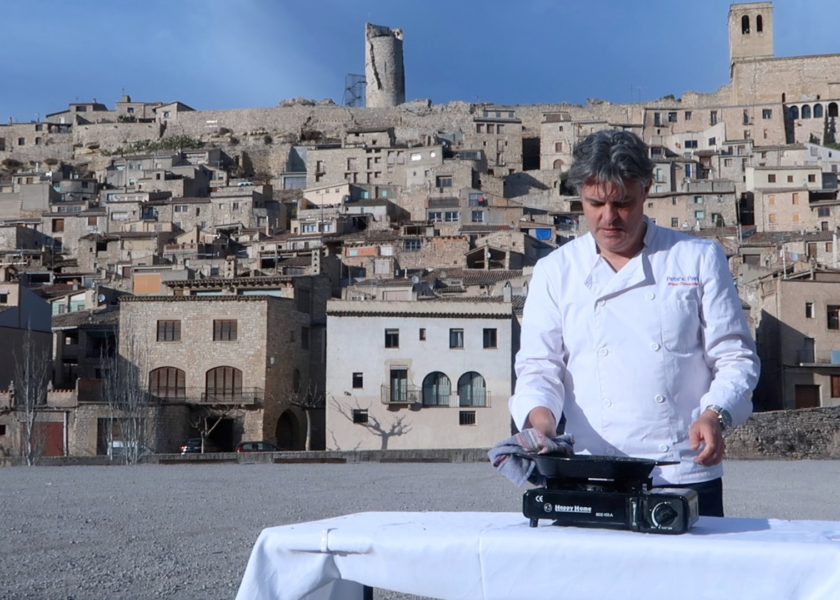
[655,347]
[650,295]
[604,351]
[659,398]
[663,447]
[601,302]
[606,402]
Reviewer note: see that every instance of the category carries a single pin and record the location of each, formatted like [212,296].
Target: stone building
[425,373]
[384,67]
[253,357]
[798,338]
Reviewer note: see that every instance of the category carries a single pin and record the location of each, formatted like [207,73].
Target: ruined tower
[750,31]
[384,74]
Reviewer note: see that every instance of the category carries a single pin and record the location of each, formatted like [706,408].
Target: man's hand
[542,419]
[707,429]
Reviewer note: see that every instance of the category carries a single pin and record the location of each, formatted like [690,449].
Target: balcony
[408,394]
[244,396]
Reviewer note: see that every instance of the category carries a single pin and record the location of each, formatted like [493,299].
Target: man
[635,332]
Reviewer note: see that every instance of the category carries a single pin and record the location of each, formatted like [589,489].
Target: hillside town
[334,277]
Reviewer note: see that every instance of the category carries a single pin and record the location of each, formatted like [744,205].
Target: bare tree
[309,398]
[207,418]
[396,428]
[124,387]
[32,377]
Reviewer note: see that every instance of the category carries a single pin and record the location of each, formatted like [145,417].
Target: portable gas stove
[607,492]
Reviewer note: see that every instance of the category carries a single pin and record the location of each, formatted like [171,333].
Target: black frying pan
[595,467]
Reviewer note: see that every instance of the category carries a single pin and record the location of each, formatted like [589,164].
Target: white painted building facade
[418,374]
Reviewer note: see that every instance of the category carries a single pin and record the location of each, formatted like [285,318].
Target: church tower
[750,31]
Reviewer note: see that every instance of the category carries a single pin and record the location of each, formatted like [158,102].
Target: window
[422,335]
[712,141]
[167,382]
[224,330]
[809,310]
[412,245]
[674,201]
[558,146]
[21,141]
[490,128]
[351,164]
[767,113]
[699,215]
[234,206]
[771,178]
[691,143]
[415,156]
[38,141]
[650,204]
[472,390]
[466,417]
[456,338]
[833,321]
[657,121]
[824,212]
[399,385]
[436,389]
[794,198]
[500,128]
[360,416]
[358,380]
[2,430]
[479,127]
[4,297]
[490,338]
[450,216]
[436,216]
[304,338]
[727,162]
[169,331]
[675,222]
[771,200]
[181,208]
[771,217]
[713,117]
[672,117]
[303,300]
[57,225]
[478,216]
[442,181]
[688,115]
[812,178]
[698,199]
[790,178]
[392,338]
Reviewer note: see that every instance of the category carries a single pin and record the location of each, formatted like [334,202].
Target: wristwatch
[724,418]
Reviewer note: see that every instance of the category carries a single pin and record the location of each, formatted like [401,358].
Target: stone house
[798,338]
[696,205]
[498,133]
[425,373]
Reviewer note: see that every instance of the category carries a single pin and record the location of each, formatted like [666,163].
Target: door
[807,396]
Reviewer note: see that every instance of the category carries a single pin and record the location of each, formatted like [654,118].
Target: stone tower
[750,31]
[384,73]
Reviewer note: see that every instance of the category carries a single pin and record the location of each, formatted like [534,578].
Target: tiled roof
[108,316]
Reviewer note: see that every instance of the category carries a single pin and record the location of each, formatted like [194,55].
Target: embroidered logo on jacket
[683,280]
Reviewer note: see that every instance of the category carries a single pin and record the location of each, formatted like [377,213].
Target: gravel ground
[185,531]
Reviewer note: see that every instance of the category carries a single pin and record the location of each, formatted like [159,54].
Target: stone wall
[804,433]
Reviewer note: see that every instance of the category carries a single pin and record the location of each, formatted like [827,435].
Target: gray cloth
[513,457]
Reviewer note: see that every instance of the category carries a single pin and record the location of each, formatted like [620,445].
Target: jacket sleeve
[728,345]
[540,362]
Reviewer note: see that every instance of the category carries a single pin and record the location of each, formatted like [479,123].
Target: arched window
[818,111]
[167,382]
[832,109]
[472,390]
[793,112]
[436,389]
[222,384]
[759,24]
[745,25]
[806,111]
[558,164]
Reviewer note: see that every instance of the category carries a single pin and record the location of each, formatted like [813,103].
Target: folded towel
[513,456]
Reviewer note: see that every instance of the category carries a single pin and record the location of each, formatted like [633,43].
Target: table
[496,556]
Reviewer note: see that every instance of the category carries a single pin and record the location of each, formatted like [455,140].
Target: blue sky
[214,54]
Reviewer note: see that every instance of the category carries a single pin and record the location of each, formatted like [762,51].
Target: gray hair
[607,157]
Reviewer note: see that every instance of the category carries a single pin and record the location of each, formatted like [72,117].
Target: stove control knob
[663,515]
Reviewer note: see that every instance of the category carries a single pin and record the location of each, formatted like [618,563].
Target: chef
[635,332]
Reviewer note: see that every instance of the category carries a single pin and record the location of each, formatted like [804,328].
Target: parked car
[119,448]
[256,447]
[244,183]
[193,446]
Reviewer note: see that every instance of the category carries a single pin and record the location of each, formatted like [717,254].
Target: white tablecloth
[497,556]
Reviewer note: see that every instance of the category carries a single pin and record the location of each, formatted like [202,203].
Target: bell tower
[750,31]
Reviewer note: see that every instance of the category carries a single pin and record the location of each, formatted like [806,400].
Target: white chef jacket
[633,357]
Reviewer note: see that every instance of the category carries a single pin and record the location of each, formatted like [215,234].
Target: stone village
[352,278]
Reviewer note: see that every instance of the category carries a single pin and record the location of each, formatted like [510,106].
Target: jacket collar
[635,272]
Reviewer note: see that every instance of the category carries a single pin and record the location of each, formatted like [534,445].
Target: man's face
[615,219]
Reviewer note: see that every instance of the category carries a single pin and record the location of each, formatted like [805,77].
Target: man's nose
[610,212]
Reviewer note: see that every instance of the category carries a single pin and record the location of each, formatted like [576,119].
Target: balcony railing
[408,394]
[208,396]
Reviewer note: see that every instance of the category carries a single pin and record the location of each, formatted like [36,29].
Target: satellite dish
[794,256]
[415,279]
[101,298]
